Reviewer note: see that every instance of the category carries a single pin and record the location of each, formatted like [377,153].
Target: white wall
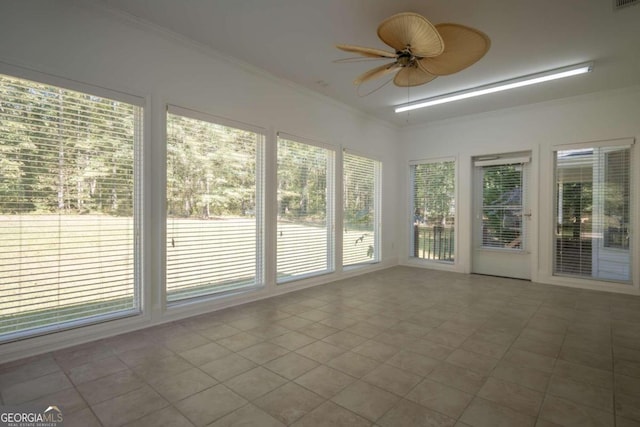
[539,127]
[82,41]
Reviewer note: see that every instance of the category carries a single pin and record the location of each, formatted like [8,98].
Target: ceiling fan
[423,51]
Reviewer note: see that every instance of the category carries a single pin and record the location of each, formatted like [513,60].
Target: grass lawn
[59,268]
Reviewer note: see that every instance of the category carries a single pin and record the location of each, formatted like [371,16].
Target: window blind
[305,209]
[593,189]
[434,209]
[69,208]
[503,206]
[361,181]
[214,206]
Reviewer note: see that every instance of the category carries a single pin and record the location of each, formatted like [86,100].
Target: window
[214,206]
[69,208]
[592,212]
[361,181]
[503,208]
[433,208]
[305,209]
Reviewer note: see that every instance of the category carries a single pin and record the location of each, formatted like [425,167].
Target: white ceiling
[294,40]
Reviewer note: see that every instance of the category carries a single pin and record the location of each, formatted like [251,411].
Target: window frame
[331,210]
[411,211]
[634,206]
[377,221]
[140,196]
[261,280]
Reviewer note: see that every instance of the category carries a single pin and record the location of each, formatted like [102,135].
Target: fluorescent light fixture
[531,79]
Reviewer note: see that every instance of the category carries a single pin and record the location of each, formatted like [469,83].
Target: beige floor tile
[353,364]
[82,418]
[409,414]
[628,407]
[344,339]
[331,415]
[268,331]
[446,338]
[458,377]
[263,352]
[292,340]
[414,362]
[239,341]
[533,345]
[581,393]
[485,348]
[530,360]
[587,358]
[14,373]
[145,355]
[376,350]
[294,322]
[628,368]
[108,387]
[364,329]
[291,365]
[129,407]
[69,399]
[494,336]
[35,388]
[570,414]
[183,342]
[227,367]
[318,330]
[473,361]
[248,415]
[97,369]
[586,374]
[289,402]
[255,383]
[204,354]
[430,348]
[392,379]
[512,395]
[325,381]
[531,378]
[627,385]
[366,400]
[219,331]
[167,417]
[626,422]
[209,405]
[483,413]
[154,370]
[320,351]
[82,354]
[182,385]
[440,398]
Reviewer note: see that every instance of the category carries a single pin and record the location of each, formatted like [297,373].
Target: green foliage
[63,151]
[434,192]
[211,169]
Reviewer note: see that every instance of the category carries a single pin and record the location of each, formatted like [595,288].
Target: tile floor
[400,347]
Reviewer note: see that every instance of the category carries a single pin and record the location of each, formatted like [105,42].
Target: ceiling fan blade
[366,51]
[412,76]
[463,47]
[410,30]
[377,72]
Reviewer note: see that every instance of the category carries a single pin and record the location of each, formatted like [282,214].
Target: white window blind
[434,208]
[69,208]
[593,212]
[361,182]
[503,207]
[214,206]
[305,209]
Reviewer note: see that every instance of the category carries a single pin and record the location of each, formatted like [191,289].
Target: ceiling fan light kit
[423,51]
[527,80]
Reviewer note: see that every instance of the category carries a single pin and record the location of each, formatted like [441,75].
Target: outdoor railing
[433,242]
